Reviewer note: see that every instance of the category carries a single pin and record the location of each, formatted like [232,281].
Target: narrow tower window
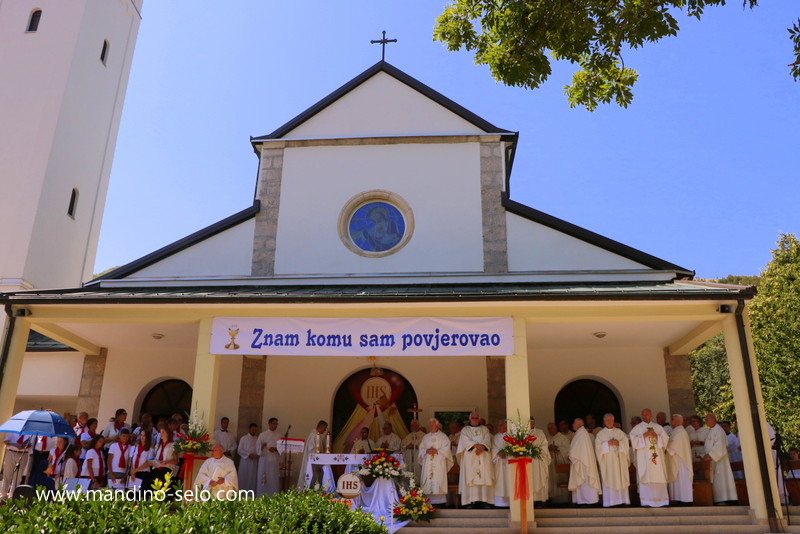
[73,203]
[33,23]
[104,52]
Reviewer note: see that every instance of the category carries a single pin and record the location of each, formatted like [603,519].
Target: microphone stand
[287,460]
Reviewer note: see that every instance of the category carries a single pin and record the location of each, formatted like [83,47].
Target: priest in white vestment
[476,478]
[410,447]
[649,441]
[389,440]
[218,474]
[363,445]
[541,466]
[584,478]
[248,460]
[612,449]
[315,438]
[558,445]
[436,459]
[697,436]
[716,446]
[502,487]
[269,461]
[680,470]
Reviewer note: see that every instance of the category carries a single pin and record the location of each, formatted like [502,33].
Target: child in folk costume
[139,458]
[94,463]
[118,460]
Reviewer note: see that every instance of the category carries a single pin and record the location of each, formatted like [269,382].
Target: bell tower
[65,70]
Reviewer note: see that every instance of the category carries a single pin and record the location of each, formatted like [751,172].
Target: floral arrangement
[381,465]
[520,441]
[413,506]
[196,440]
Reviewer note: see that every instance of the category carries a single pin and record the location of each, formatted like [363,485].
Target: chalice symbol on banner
[233,331]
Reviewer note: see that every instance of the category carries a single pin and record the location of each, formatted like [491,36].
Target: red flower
[413,493]
[205,437]
[390,459]
[508,439]
[383,454]
[397,464]
[180,436]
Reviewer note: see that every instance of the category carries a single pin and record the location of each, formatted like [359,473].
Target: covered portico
[648,327]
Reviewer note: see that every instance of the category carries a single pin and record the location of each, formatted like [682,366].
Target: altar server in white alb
[716,446]
[218,474]
[612,449]
[501,478]
[363,445]
[584,479]
[436,459]
[269,460]
[649,441]
[225,438]
[248,459]
[476,478]
[680,472]
[389,440]
[541,466]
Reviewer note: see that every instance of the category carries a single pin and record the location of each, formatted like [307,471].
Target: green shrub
[285,513]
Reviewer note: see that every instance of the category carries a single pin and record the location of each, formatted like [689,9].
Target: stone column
[518,401]
[744,410]
[270,173]
[679,384]
[92,376]
[206,376]
[251,393]
[495,242]
[496,388]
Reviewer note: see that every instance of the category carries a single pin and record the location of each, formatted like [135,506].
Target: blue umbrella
[38,423]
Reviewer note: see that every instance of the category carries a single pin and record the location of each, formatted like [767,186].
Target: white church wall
[535,247]
[51,374]
[300,390]
[636,374]
[129,370]
[230,380]
[440,182]
[382,106]
[229,253]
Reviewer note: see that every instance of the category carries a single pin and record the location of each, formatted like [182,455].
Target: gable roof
[593,238]
[394,72]
[179,245]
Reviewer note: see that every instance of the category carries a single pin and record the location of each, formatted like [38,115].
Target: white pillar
[518,401]
[744,421]
[206,377]
[13,366]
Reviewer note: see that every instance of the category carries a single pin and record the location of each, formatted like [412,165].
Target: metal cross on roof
[382,41]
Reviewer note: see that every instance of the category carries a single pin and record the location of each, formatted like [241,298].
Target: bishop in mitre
[476,478]
[558,445]
[584,479]
[680,471]
[218,474]
[612,449]
[541,466]
[502,487]
[649,441]
[716,446]
[436,459]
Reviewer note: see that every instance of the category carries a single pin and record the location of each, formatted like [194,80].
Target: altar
[378,499]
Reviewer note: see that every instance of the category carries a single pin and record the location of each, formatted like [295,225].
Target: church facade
[384,263]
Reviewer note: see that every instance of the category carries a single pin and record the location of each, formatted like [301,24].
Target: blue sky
[701,170]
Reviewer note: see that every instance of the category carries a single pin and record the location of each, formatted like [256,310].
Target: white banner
[403,336]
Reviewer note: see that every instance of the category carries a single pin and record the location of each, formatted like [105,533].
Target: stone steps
[683,520]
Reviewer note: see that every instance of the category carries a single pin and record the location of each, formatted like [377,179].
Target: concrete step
[677,511]
[655,529]
[618,521]
[449,512]
[464,522]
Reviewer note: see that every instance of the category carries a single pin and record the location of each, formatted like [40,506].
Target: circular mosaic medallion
[375,224]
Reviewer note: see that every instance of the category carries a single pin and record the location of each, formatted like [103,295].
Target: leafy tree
[518,38]
[711,379]
[775,318]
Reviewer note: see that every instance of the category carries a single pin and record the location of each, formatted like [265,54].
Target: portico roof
[657,290]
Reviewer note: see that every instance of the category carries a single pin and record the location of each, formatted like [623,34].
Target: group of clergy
[599,460]
[259,459]
[663,456]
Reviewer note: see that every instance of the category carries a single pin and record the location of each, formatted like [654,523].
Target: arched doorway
[586,396]
[166,398]
[356,399]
